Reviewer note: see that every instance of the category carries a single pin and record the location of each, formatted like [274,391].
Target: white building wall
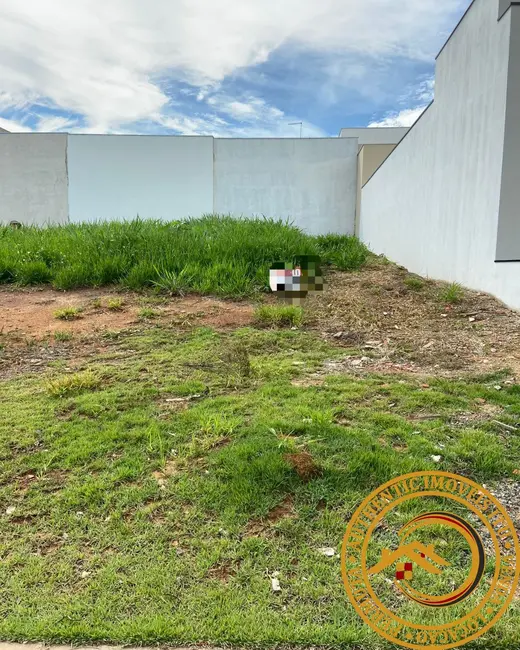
[33,178]
[311,182]
[120,177]
[433,205]
[376,135]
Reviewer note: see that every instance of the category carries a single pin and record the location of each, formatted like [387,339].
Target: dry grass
[399,328]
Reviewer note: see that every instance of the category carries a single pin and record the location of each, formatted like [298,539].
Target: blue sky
[221,67]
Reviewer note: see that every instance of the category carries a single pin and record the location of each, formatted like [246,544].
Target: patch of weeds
[62,336]
[111,335]
[96,303]
[147,313]
[414,283]
[72,384]
[278,316]
[452,294]
[220,255]
[157,444]
[68,313]
[175,283]
[73,277]
[33,273]
[115,304]
[347,253]
[238,356]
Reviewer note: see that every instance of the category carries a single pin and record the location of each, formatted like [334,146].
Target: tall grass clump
[212,255]
[345,252]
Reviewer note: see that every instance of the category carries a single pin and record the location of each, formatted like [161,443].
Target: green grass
[414,283]
[347,253]
[452,294]
[278,316]
[147,313]
[115,304]
[62,336]
[74,383]
[137,515]
[212,255]
[68,313]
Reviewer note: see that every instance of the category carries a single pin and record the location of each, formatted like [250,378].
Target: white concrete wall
[118,177]
[312,182]
[433,205]
[33,178]
[376,135]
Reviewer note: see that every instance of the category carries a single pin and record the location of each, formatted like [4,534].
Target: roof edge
[504,6]
[400,142]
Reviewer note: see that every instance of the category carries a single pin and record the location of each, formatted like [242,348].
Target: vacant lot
[163,459]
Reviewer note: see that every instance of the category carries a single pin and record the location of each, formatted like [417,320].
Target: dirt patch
[31,311]
[282,510]
[260,527]
[304,464]
[223,571]
[397,329]
[31,336]
[170,469]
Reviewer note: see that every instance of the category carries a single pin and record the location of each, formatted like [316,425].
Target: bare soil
[384,326]
[32,312]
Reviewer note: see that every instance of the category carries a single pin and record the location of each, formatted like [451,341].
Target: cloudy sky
[224,67]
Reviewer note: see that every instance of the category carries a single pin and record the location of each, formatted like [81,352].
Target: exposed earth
[386,326]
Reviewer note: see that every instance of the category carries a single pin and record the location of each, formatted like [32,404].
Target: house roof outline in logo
[419,553]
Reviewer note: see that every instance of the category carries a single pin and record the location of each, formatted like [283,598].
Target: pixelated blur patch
[294,280]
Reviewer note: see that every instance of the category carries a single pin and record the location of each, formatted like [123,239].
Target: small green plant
[96,303]
[147,313]
[278,316]
[414,283]
[452,294]
[177,284]
[71,384]
[62,336]
[237,356]
[157,444]
[115,304]
[68,313]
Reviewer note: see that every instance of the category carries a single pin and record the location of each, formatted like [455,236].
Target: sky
[228,68]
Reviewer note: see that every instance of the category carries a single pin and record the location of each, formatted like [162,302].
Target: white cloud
[13,126]
[105,60]
[416,100]
[49,124]
[208,124]
[406,117]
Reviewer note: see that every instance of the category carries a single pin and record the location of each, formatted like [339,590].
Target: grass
[144,486]
[62,336]
[278,316]
[68,313]
[452,294]
[212,255]
[115,304]
[74,383]
[414,283]
[147,313]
